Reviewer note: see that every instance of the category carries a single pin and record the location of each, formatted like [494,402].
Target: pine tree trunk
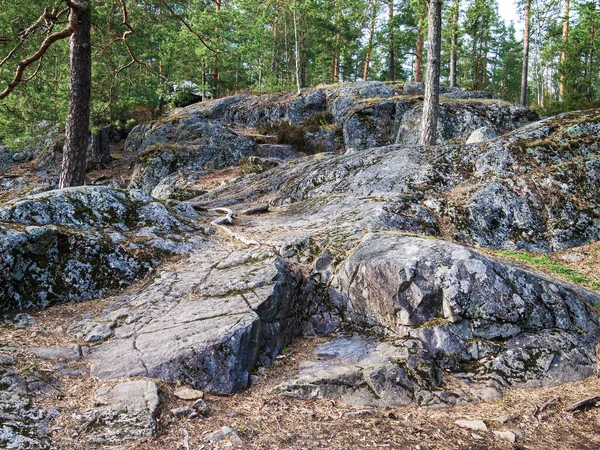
[100,149]
[431,105]
[591,59]
[563,53]
[303,58]
[418,75]
[78,117]
[453,44]
[370,43]
[391,53]
[335,60]
[215,70]
[526,35]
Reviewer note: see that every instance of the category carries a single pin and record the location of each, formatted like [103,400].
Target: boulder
[238,307]
[457,302]
[481,134]
[24,425]
[183,145]
[76,243]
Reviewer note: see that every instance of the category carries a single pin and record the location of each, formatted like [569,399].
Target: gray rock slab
[128,412]
[205,322]
[72,353]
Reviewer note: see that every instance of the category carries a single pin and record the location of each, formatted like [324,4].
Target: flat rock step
[204,322]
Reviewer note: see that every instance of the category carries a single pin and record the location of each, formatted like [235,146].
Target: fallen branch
[255,210]
[540,409]
[592,401]
[225,219]
[228,218]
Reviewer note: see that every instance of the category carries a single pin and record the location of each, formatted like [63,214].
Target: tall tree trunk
[303,57]
[335,60]
[370,43]
[475,68]
[418,73]
[275,61]
[591,59]
[526,35]
[100,148]
[72,172]
[431,105]
[391,53]
[563,53]
[215,70]
[484,74]
[454,43]
[297,42]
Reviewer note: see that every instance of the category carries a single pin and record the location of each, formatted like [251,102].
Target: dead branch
[228,218]
[255,210]
[47,19]
[592,401]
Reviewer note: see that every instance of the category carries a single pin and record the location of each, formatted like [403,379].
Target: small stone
[185,411]
[488,394]
[477,437]
[72,353]
[222,434]
[473,425]
[501,420]
[201,407]
[254,379]
[508,436]
[186,393]
[262,370]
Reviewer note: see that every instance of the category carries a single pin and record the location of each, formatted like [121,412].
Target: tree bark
[78,127]
[563,53]
[370,43]
[215,70]
[591,59]
[335,60]
[100,149]
[431,105]
[454,43]
[418,74]
[526,34]
[391,53]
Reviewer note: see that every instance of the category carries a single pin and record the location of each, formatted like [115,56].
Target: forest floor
[265,419]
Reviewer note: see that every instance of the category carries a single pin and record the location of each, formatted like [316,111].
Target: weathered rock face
[458,121]
[535,188]
[127,412]
[365,372]
[468,308]
[370,114]
[183,144]
[23,425]
[481,134]
[239,308]
[336,252]
[78,243]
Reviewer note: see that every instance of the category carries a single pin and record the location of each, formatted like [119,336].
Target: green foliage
[231,46]
[548,265]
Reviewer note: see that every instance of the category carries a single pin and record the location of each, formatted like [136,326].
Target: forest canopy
[151,53]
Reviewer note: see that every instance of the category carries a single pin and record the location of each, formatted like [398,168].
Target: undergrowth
[549,266]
